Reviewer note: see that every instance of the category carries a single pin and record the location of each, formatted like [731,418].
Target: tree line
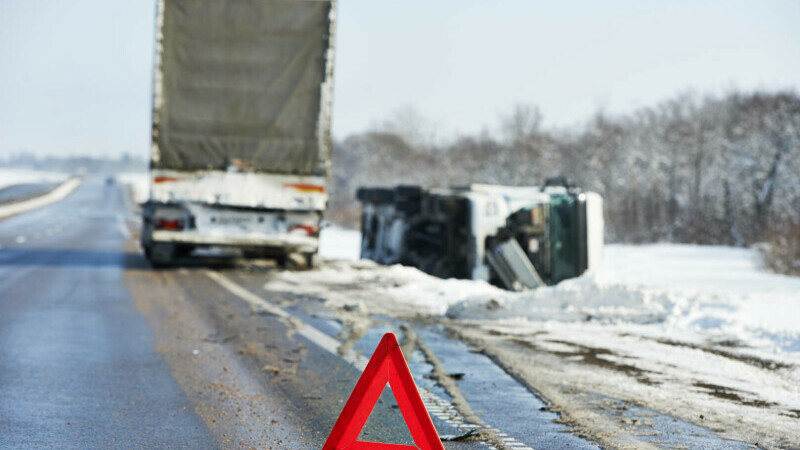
[705,170]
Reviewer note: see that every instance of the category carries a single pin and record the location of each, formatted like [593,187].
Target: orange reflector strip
[164,179]
[305,187]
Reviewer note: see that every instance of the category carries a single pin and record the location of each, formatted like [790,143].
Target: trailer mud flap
[513,267]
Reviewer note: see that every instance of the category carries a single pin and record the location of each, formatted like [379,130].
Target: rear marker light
[309,230]
[305,187]
[161,179]
[169,224]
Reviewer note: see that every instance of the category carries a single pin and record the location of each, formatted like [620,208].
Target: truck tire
[294,261]
[183,251]
[160,254]
[311,260]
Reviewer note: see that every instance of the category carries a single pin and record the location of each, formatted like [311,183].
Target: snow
[757,297]
[703,333]
[720,291]
[683,329]
[390,290]
[715,289]
[339,243]
[137,182]
[11,177]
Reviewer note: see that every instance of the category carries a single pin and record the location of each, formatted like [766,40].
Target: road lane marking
[446,411]
[246,295]
[314,335]
[123,227]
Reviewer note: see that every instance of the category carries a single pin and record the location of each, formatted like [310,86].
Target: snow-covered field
[11,177]
[699,332]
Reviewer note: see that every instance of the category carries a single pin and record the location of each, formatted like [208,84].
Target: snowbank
[581,299]
[137,182]
[11,177]
[371,288]
[719,291]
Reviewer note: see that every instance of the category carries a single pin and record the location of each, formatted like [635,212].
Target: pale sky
[75,76]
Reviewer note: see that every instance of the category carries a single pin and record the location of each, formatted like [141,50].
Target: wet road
[78,367]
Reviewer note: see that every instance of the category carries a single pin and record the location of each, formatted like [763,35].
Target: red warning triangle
[387,365]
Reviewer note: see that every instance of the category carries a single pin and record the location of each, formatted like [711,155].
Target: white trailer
[241,127]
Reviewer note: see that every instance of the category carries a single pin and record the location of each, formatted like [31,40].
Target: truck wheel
[311,260]
[183,251]
[160,255]
[294,261]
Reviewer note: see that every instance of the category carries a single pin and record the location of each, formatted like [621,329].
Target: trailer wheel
[160,254]
[311,260]
[294,261]
[183,251]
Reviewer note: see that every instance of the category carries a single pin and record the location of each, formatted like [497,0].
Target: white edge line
[314,335]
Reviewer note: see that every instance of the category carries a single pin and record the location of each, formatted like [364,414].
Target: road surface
[98,350]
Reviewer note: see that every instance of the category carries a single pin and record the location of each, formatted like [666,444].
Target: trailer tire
[294,261]
[311,260]
[160,254]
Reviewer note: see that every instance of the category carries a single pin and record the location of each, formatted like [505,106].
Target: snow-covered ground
[339,243]
[11,177]
[137,182]
[712,289]
[699,332]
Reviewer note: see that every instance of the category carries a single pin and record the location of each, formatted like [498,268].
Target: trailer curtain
[242,84]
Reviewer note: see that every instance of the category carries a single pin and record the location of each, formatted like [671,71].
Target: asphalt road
[78,367]
[98,350]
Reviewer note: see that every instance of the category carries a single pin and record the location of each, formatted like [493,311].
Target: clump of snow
[391,290]
[339,243]
[11,177]
[138,183]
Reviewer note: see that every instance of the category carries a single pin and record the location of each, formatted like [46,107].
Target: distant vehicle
[515,237]
[241,128]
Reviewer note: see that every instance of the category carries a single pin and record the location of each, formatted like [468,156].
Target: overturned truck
[515,237]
